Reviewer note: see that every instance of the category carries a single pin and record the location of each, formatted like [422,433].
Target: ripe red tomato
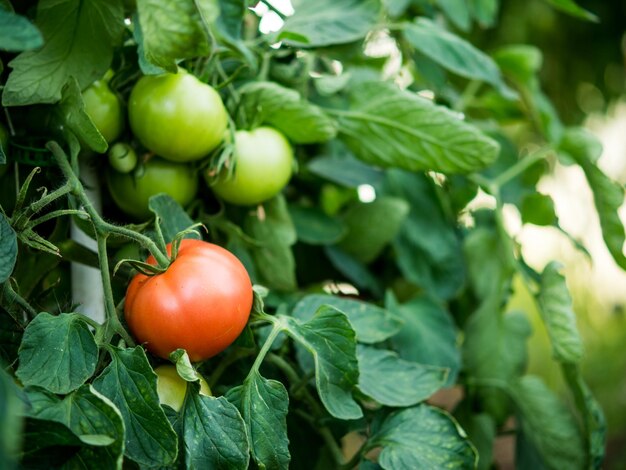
[201,303]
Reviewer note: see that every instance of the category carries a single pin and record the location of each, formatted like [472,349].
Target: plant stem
[274,9]
[521,166]
[54,214]
[276,329]
[13,296]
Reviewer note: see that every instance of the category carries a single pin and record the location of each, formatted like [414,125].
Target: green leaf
[342,168]
[230,21]
[538,209]
[315,227]
[578,141]
[392,381]
[50,444]
[130,383]
[481,429]
[570,7]
[86,413]
[455,54]
[214,433]
[274,230]
[302,122]
[171,30]
[76,118]
[555,306]
[353,269]
[484,11]
[329,22]
[428,249]
[608,196]
[428,335]
[17,33]
[521,61]
[547,425]
[371,226]
[422,437]
[8,248]
[457,12]
[172,217]
[389,127]
[593,417]
[58,353]
[371,323]
[331,340]
[10,421]
[79,39]
[264,404]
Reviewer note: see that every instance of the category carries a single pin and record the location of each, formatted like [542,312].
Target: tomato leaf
[547,427]
[8,248]
[342,168]
[79,39]
[331,340]
[457,13]
[172,217]
[86,413]
[171,30]
[50,444]
[313,226]
[455,54]
[484,11]
[389,127]
[58,353]
[328,22]
[392,381]
[11,407]
[17,33]
[422,437]
[302,122]
[264,404]
[571,8]
[371,323]
[214,433]
[555,306]
[276,234]
[427,246]
[129,382]
[353,269]
[538,209]
[428,334]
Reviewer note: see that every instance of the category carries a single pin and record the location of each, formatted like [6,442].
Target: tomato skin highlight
[176,116]
[201,303]
[263,165]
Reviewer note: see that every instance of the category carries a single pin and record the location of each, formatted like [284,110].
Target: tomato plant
[263,162]
[201,303]
[359,312]
[176,116]
[171,387]
[4,142]
[132,191]
[105,109]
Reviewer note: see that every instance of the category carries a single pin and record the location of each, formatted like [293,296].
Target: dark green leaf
[328,22]
[8,248]
[17,33]
[428,335]
[521,61]
[315,227]
[570,7]
[79,39]
[371,226]
[10,421]
[548,425]
[345,170]
[538,209]
[231,17]
[274,230]
[129,382]
[484,11]
[457,12]
[481,429]
[353,269]
[455,54]
[331,340]
[214,433]
[555,306]
[392,381]
[171,30]
[57,353]
[428,250]
[172,217]
[578,141]
[371,323]
[390,127]
[302,122]
[422,437]
[76,118]
[264,404]
[50,444]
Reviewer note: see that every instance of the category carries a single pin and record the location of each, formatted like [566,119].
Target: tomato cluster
[180,120]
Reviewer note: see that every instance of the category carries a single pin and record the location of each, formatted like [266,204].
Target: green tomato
[177,116]
[171,387]
[4,143]
[263,162]
[122,157]
[132,191]
[105,109]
